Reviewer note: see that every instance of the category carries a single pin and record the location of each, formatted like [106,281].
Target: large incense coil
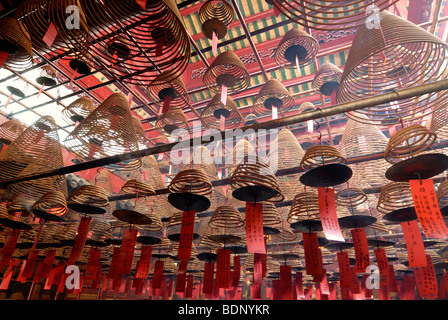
[108,130]
[10,130]
[17,43]
[151,172]
[174,248]
[394,196]
[228,70]
[215,109]
[47,76]
[442,193]
[215,16]
[399,55]
[243,150]
[369,174]
[171,121]
[192,181]
[305,206]
[78,110]
[296,43]
[138,187]
[289,151]
[53,202]
[142,140]
[202,159]
[90,195]
[408,142]
[285,233]
[273,94]
[361,139]
[256,174]
[438,123]
[156,224]
[29,146]
[226,217]
[320,155]
[174,89]
[271,216]
[327,78]
[207,242]
[331,14]
[99,230]
[35,17]
[350,197]
[155,40]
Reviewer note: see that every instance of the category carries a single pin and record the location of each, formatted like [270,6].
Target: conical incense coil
[53,202]
[215,16]
[273,94]
[327,78]
[305,206]
[319,155]
[394,196]
[78,110]
[442,193]
[142,140]
[396,56]
[16,42]
[192,181]
[155,42]
[90,195]
[108,130]
[161,89]
[10,130]
[408,142]
[226,217]
[350,197]
[139,187]
[271,216]
[289,151]
[296,47]
[172,120]
[226,70]
[215,110]
[331,14]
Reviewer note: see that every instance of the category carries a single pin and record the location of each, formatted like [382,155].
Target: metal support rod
[271,124]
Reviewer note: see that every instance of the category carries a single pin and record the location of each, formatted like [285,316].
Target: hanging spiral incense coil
[394,196]
[108,130]
[409,141]
[142,140]
[273,94]
[90,195]
[257,174]
[215,109]
[215,15]
[400,55]
[350,197]
[172,120]
[442,193]
[271,216]
[327,78]
[305,206]
[331,14]
[142,42]
[319,155]
[228,70]
[139,187]
[10,131]
[16,42]
[78,110]
[296,46]
[99,230]
[192,181]
[160,89]
[226,217]
[53,202]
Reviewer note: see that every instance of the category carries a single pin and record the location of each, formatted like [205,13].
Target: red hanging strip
[236,271]
[223,269]
[355,287]
[299,285]
[214,44]
[427,209]
[93,263]
[127,251]
[313,255]
[209,271]
[426,280]
[141,3]
[166,104]
[392,286]
[254,228]
[3,57]
[362,258]
[50,35]
[258,275]
[113,264]
[286,282]
[80,239]
[189,289]
[414,244]
[9,247]
[158,274]
[186,235]
[47,264]
[180,283]
[383,265]
[344,270]
[328,216]
[144,264]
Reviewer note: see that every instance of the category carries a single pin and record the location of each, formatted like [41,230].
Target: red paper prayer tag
[328,216]
[426,280]
[214,44]
[299,285]
[113,264]
[9,247]
[344,270]
[286,282]
[8,101]
[127,251]
[158,273]
[333,98]
[209,271]
[223,269]
[189,289]
[236,271]
[361,249]
[313,255]
[274,110]
[427,209]
[93,263]
[3,57]
[383,265]
[414,244]
[186,235]
[51,35]
[254,228]
[47,264]
[223,94]
[144,263]
[181,280]
[80,239]
[141,3]
[166,104]
[40,90]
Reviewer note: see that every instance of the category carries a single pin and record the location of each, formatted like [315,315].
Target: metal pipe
[271,124]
